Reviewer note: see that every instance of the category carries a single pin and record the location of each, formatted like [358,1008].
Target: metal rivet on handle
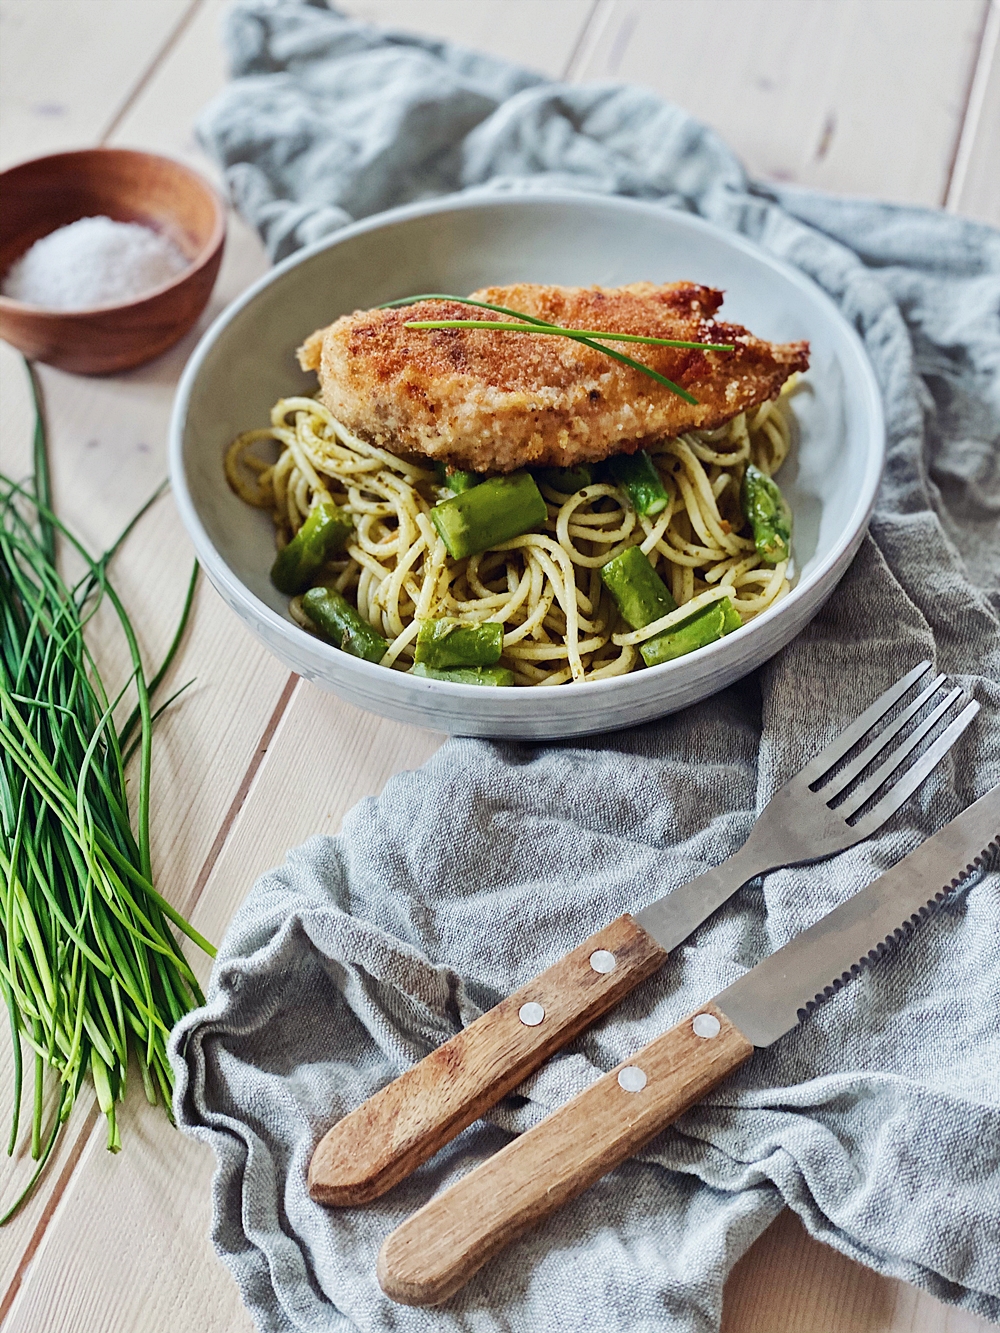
[706,1025]
[631,1078]
[531,1014]
[603,960]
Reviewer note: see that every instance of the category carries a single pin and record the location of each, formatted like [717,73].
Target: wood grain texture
[134,1236]
[860,96]
[408,1120]
[355,753]
[787,1282]
[975,184]
[67,67]
[22,1236]
[437,1250]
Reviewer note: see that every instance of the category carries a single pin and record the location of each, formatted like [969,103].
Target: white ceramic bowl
[246,361]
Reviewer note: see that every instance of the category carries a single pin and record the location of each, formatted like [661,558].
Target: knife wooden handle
[406,1122]
[438,1249]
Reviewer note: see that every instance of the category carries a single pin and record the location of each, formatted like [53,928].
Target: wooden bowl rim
[204,256]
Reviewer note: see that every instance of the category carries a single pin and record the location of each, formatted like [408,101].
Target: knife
[437,1250]
[407,1121]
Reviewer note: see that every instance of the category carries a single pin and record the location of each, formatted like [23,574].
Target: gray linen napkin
[879,1120]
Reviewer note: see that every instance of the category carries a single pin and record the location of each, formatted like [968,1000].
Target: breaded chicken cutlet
[494,402]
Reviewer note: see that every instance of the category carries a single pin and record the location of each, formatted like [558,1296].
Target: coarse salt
[93,262]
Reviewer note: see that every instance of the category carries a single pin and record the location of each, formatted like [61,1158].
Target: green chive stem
[532,319]
[558,330]
[89,966]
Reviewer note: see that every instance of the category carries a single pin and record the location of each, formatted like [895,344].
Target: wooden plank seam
[583,38]
[971,122]
[36,1237]
[149,73]
[242,792]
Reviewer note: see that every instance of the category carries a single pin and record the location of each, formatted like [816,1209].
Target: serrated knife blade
[379,1143]
[770,1000]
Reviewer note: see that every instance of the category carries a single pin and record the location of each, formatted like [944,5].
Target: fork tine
[847,775]
[850,736]
[912,779]
[871,784]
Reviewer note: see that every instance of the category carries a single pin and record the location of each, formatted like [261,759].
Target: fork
[818,812]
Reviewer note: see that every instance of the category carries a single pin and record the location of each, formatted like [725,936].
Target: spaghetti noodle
[560,623]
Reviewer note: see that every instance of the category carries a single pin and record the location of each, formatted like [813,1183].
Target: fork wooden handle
[438,1249]
[405,1123]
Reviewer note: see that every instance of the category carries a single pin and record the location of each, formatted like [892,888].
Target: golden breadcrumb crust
[493,402]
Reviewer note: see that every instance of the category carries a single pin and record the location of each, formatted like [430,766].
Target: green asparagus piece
[447,643]
[704,627]
[567,480]
[768,514]
[335,617]
[465,675]
[641,594]
[639,479]
[456,480]
[325,531]
[492,512]
[732,619]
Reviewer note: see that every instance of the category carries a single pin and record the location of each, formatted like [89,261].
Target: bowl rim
[202,259]
[223,576]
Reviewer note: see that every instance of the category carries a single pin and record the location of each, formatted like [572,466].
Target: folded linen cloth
[879,1120]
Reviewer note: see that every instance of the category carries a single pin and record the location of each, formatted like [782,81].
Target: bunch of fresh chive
[89,967]
[533,325]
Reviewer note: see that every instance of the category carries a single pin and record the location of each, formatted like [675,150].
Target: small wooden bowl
[38,196]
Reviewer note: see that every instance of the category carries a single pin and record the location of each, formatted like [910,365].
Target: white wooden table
[898,99]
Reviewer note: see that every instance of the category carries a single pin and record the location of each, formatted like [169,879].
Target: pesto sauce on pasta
[560,623]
